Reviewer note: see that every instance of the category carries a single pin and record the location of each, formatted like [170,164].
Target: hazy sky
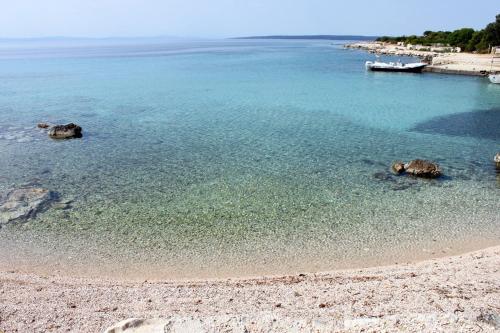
[226,18]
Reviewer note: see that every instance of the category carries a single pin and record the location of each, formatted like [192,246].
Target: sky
[232,18]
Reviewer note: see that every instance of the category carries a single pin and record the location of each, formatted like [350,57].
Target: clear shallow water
[237,158]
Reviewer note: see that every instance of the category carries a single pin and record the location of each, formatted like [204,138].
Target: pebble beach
[454,294]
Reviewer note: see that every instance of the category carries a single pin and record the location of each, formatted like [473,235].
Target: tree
[460,37]
[491,35]
[466,38]
[474,41]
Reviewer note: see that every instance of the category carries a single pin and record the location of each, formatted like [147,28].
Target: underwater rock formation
[23,203]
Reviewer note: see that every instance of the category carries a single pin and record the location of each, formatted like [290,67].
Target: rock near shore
[65,131]
[398,167]
[423,168]
[23,203]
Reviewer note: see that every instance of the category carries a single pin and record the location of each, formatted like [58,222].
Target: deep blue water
[239,157]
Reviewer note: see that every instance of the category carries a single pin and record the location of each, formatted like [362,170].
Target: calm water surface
[227,158]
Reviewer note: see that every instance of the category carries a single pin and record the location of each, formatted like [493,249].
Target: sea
[236,158]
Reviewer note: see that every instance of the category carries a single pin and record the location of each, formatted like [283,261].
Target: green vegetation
[467,39]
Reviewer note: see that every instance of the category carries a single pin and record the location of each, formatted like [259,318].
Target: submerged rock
[496,159]
[23,203]
[398,167]
[383,176]
[65,131]
[42,125]
[394,182]
[401,187]
[423,168]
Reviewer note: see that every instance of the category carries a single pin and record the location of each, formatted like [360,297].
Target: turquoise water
[241,157]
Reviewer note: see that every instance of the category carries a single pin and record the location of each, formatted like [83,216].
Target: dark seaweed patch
[483,124]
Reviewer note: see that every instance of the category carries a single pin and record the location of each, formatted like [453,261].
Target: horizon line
[274,36]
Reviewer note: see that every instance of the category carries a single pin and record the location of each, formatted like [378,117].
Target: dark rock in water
[398,167]
[45,171]
[383,176]
[367,161]
[394,182]
[65,131]
[496,159]
[372,162]
[462,177]
[401,187]
[33,182]
[23,203]
[43,125]
[423,168]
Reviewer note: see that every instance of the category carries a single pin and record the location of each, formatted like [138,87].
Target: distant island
[317,37]
[467,39]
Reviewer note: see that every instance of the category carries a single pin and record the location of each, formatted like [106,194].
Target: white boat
[494,78]
[415,67]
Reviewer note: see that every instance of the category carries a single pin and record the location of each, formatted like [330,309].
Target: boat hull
[418,69]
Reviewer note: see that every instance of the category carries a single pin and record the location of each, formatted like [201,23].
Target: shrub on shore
[467,39]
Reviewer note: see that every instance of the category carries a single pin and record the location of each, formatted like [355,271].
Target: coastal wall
[444,70]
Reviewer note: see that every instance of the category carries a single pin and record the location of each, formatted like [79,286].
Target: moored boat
[416,67]
[494,78]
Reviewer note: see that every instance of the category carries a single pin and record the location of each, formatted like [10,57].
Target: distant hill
[319,37]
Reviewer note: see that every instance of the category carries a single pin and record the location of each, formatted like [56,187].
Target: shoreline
[237,267]
[458,293]
[461,63]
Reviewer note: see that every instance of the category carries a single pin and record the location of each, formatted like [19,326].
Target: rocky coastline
[439,62]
